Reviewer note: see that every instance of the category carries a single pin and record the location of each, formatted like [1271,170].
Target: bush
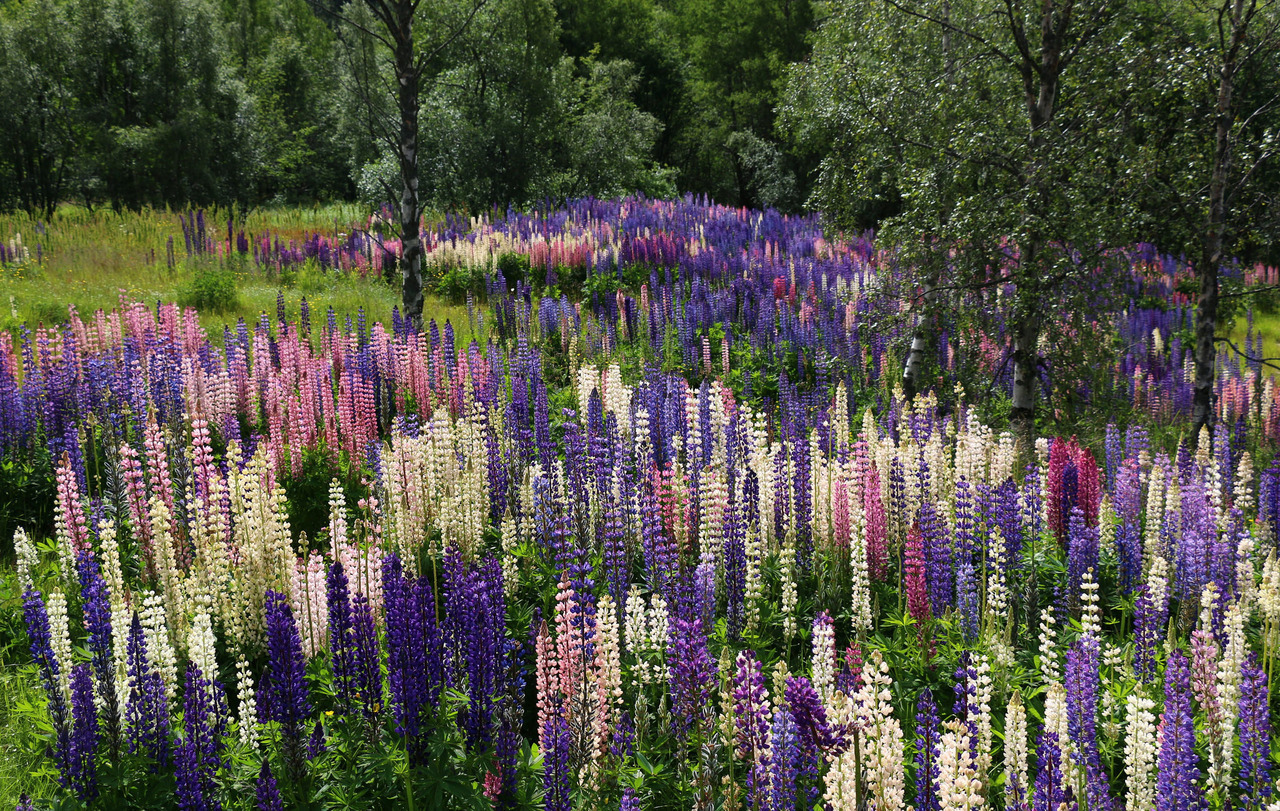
[210,289]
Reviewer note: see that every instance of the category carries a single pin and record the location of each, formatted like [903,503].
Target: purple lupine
[1255,737]
[1176,779]
[341,644]
[751,714]
[1050,794]
[414,660]
[556,763]
[784,761]
[84,735]
[267,793]
[928,746]
[937,550]
[96,605]
[37,619]
[1082,678]
[199,755]
[1082,554]
[316,743]
[1149,618]
[283,693]
[24,804]
[367,659]
[692,675]
[147,709]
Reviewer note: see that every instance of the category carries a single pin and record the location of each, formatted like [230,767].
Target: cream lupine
[60,638]
[1140,752]
[27,558]
[959,788]
[882,735]
[1015,745]
[824,658]
[160,648]
[247,715]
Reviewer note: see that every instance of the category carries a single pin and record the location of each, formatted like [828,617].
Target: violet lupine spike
[751,711]
[928,748]
[266,791]
[199,755]
[147,710]
[366,659]
[1178,771]
[1255,737]
[96,605]
[556,764]
[692,675]
[937,549]
[1082,554]
[284,696]
[1082,681]
[784,761]
[341,644]
[83,777]
[1050,794]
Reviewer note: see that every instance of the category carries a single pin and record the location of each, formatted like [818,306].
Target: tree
[978,121]
[1246,36]
[394,25]
[38,117]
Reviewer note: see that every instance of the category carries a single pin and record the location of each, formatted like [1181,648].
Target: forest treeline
[128,103]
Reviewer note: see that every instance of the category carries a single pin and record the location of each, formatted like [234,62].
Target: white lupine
[824,658]
[1015,745]
[1050,670]
[160,652]
[60,639]
[1140,752]
[883,747]
[980,710]
[958,783]
[247,718]
[121,617]
[27,558]
[200,645]
[1091,613]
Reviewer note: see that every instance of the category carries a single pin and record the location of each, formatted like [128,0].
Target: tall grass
[91,259]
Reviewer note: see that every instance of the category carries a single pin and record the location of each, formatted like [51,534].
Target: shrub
[212,289]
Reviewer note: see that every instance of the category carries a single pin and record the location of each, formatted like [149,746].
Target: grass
[91,260]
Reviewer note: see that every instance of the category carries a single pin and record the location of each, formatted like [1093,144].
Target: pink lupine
[873,511]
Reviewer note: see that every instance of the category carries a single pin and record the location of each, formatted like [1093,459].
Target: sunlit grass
[93,260]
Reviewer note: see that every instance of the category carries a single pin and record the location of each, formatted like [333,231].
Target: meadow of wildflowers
[665,534]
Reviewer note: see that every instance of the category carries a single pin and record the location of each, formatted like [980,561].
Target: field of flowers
[663,534]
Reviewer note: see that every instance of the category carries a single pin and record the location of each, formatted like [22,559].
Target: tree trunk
[1026,360]
[919,343]
[1206,269]
[407,79]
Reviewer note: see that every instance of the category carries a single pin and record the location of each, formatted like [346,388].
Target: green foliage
[211,287]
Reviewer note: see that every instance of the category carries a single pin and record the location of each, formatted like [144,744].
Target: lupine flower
[266,791]
[283,693]
[928,743]
[1255,737]
[83,770]
[1176,788]
[147,710]
[42,654]
[199,755]
[1083,665]
[784,761]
